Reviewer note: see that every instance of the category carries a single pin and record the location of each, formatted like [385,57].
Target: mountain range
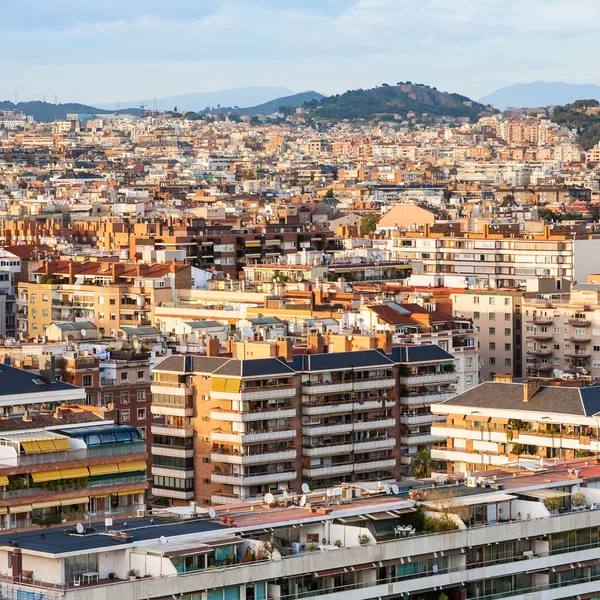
[240,97]
[45,112]
[540,93]
[273,106]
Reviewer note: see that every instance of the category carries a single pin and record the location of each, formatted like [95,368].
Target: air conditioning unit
[141,513]
[205,397]
[472,482]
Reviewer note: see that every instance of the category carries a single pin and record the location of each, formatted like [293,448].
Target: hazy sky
[108,50]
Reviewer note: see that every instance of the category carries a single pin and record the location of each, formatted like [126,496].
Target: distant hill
[540,93]
[388,100]
[44,112]
[582,116]
[242,97]
[268,108]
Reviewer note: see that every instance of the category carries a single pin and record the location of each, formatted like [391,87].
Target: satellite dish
[395,489]
[557,373]
[79,528]
[83,333]
[162,539]
[302,501]
[285,494]
[247,332]
[387,490]
[211,513]
[269,498]
[305,488]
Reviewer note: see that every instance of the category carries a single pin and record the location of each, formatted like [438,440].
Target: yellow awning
[72,501]
[98,495]
[49,504]
[3,510]
[3,480]
[234,386]
[46,476]
[104,469]
[46,446]
[30,447]
[219,385]
[76,472]
[62,444]
[129,467]
[130,492]
[20,509]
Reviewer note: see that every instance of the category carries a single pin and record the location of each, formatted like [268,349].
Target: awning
[352,519]
[129,467]
[190,551]
[364,567]
[254,243]
[3,510]
[46,446]
[20,509]
[130,492]
[71,501]
[76,472]
[62,445]
[543,494]
[231,386]
[109,469]
[381,516]
[30,447]
[3,480]
[46,476]
[331,572]
[560,568]
[225,542]
[49,504]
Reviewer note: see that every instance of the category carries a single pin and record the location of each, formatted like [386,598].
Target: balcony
[542,337]
[244,439]
[578,353]
[377,444]
[253,415]
[541,320]
[343,469]
[234,458]
[374,424]
[275,392]
[372,465]
[173,472]
[415,399]
[419,419]
[175,494]
[579,339]
[248,480]
[172,389]
[419,439]
[164,450]
[428,378]
[540,352]
[317,429]
[172,430]
[578,322]
[331,387]
[539,367]
[329,408]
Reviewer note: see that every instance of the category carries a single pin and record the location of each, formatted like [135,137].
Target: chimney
[48,366]
[213,347]
[530,387]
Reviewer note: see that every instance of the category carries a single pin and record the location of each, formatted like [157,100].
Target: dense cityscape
[266,345]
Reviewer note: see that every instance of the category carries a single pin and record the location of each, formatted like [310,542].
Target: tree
[329,193]
[175,109]
[368,223]
[420,464]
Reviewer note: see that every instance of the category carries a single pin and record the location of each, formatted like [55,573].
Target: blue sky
[109,50]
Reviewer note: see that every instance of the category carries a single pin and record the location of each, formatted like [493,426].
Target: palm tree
[420,464]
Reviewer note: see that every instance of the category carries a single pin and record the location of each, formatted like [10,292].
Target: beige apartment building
[110,295]
[497,316]
[562,331]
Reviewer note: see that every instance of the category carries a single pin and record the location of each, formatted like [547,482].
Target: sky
[100,51]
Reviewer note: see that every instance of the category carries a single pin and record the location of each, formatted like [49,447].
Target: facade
[366,543]
[497,316]
[501,423]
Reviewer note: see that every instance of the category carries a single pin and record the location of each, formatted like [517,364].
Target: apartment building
[520,423]
[499,257]
[230,428]
[111,295]
[502,542]
[58,461]
[350,412]
[497,316]
[562,332]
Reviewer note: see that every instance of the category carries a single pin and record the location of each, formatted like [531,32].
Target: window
[469,379]
[557,347]
[124,377]
[475,299]
[111,301]
[476,315]
[596,348]
[507,362]
[89,399]
[491,300]
[492,316]
[33,298]
[142,431]
[34,327]
[113,317]
[107,397]
[101,316]
[506,301]
[124,397]
[492,360]
[507,347]
[44,297]
[140,375]
[507,331]
[492,331]
[492,345]
[141,396]
[507,316]
[87,380]
[100,300]
[141,414]
[45,312]
[34,312]
[125,416]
